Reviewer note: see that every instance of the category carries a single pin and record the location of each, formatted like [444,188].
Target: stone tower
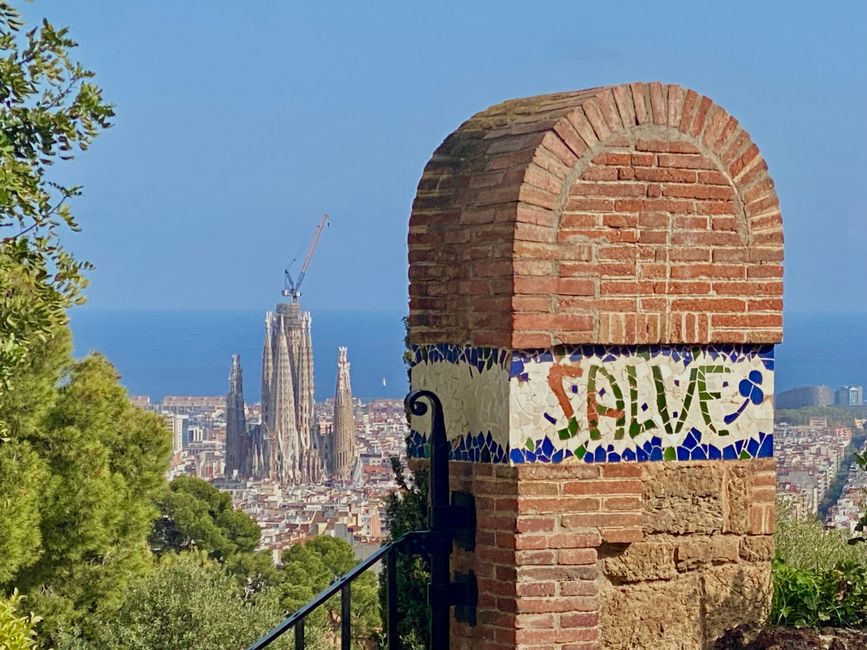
[343,448]
[289,455]
[237,439]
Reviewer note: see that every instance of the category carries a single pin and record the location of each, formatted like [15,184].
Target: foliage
[836,415]
[99,462]
[22,476]
[195,514]
[51,109]
[187,603]
[820,579]
[310,567]
[835,597]
[17,631]
[406,511]
[803,543]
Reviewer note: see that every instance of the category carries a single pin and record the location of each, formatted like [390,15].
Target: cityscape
[432,326]
[302,469]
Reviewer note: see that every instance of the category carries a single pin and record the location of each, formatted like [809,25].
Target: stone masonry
[595,292]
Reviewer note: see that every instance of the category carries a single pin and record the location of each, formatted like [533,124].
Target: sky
[239,124]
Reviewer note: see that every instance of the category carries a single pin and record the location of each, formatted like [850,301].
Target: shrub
[802,543]
[16,630]
[835,597]
[820,579]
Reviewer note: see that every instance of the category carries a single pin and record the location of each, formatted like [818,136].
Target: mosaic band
[599,403]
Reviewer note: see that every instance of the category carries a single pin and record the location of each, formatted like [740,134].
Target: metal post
[391,600]
[345,608]
[299,635]
[440,536]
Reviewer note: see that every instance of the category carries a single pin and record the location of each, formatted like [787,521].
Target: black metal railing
[449,520]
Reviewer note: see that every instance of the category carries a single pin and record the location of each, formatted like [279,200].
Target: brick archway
[639,213]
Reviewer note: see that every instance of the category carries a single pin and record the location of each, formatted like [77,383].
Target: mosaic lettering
[601,403]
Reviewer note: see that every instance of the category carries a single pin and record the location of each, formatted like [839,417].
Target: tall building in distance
[805,397]
[237,438]
[343,446]
[849,396]
[289,453]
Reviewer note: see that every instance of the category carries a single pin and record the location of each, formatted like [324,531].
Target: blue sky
[240,123]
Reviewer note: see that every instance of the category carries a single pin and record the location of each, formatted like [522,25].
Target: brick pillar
[595,292]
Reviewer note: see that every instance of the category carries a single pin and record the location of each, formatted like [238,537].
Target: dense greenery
[835,597]
[17,629]
[836,415]
[803,543]
[187,603]
[310,567]
[196,515]
[406,511]
[820,578]
[80,503]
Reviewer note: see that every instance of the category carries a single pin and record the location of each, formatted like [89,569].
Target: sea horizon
[170,351]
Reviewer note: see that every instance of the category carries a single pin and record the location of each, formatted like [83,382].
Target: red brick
[576,287]
[685,161]
[537,589]
[696,191]
[485,269]
[623,99]
[578,588]
[657,103]
[536,639]
[573,540]
[530,542]
[523,558]
[577,556]
[556,505]
[593,111]
[612,158]
[602,520]
[593,173]
[582,572]
[560,604]
[575,619]
[621,503]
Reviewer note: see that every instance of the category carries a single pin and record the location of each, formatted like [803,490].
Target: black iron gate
[451,519]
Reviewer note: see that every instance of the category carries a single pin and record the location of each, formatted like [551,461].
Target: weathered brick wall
[629,557]
[624,488]
[704,563]
[639,213]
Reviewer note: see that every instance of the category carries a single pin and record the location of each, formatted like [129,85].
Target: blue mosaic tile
[481,447]
[766,448]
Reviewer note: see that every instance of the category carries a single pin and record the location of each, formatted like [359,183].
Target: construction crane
[293,287]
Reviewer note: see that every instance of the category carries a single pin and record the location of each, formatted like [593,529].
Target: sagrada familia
[287,446]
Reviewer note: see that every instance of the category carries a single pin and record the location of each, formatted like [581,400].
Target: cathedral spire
[237,439]
[343,449]
[287,397]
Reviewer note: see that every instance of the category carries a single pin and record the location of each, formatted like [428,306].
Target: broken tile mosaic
[599,403]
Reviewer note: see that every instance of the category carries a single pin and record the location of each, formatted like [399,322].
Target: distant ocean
[188,352]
